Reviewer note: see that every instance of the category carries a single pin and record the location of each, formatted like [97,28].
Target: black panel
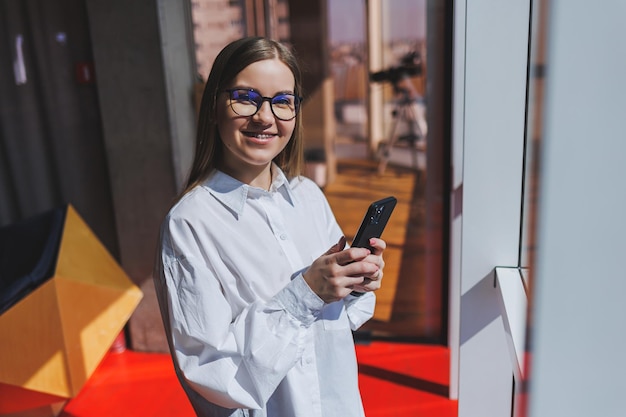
[28,254]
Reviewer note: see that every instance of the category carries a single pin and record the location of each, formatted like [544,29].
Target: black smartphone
[374,221]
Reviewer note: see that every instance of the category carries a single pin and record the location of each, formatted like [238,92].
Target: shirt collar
[234,193]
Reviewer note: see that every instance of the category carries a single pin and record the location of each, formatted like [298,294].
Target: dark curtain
[51,143]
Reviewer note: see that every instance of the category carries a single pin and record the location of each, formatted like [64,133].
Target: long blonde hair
[229,62]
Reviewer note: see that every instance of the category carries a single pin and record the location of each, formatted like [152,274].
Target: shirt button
[309,361]
[283,237]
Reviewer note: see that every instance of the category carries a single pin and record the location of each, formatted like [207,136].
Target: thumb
[337,247]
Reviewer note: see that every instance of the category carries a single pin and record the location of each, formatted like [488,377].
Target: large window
[380,68]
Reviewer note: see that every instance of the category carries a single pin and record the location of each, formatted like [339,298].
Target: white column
[579,342]
[488,131]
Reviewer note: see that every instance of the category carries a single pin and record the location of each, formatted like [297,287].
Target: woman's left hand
[373,282]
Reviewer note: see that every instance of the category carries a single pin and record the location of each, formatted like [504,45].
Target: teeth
[262,136]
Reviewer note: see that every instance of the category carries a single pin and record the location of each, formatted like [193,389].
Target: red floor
[396,380]
[405,380]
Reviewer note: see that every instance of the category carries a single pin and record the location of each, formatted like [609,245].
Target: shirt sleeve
[235,361]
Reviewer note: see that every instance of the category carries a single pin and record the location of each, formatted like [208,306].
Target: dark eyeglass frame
[297,100]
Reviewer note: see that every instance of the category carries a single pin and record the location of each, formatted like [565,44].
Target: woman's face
[252,142]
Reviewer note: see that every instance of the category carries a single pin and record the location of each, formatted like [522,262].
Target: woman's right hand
[333,275]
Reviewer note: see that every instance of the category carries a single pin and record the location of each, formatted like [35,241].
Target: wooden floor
[409,302]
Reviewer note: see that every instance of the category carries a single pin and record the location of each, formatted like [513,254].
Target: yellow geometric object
[53,338]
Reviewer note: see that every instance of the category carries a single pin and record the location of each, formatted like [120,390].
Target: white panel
[454,307]
[456,195]
[495,88]
[486,374]
[514,304]
[579,344]
[458,94]
[496,44]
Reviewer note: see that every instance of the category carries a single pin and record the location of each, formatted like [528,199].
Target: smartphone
[374,221]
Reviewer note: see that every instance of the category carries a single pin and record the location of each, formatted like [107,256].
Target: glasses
[247,102]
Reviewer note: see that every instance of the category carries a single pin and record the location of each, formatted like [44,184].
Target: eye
[246,97]
[286,100]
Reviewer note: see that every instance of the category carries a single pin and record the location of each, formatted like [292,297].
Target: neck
[260,177]
[263,180]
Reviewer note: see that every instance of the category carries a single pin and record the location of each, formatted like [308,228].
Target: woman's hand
[373,282]
[340,271]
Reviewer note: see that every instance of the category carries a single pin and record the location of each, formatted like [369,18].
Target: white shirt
[247,334]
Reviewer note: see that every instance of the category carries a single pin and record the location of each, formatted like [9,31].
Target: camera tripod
[404,111]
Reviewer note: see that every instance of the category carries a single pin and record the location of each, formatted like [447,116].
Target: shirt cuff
[300,301]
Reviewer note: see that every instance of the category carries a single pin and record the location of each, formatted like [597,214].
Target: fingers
[370,284]
[378,245]
[378,275]
[360,262]
[359,269]
[337,247]
[350,255]
[339,271]
[356,254]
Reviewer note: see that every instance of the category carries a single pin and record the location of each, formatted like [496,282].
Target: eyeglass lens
[246,102]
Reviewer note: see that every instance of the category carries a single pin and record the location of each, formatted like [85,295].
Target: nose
[264,114]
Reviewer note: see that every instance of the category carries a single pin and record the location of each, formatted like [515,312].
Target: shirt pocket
[334,316]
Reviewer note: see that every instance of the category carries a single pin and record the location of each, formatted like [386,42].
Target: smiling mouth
[260,136]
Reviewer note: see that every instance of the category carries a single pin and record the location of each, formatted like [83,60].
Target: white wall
[577,360]
[490,50]
[579,341]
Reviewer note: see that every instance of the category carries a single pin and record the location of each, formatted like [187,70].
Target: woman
[257,290]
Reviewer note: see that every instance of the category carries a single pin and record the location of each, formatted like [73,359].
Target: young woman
[257,289]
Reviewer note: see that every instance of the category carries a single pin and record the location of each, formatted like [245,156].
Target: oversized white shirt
[247,334]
